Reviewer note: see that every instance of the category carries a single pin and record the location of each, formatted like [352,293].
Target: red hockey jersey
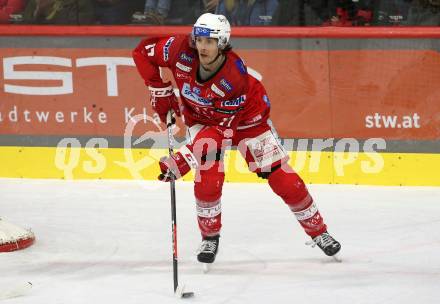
[229,99]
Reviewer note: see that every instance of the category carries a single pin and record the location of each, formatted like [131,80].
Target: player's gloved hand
[163,100]
[175,164]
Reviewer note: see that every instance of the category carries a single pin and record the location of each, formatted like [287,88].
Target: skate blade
[206,267]
[337,258]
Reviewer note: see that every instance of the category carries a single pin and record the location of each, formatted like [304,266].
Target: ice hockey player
[221,105]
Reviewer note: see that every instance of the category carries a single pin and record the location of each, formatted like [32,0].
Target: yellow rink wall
[405,169]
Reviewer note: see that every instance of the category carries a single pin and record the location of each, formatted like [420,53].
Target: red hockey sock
[208,191]
[290,187]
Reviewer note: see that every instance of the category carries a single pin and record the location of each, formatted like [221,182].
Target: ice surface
[110,242]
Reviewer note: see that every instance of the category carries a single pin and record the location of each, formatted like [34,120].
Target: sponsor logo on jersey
[191,95]
[166,48]
[226,85]
[235,102]
[186,57]
[217,91]
[240,65]
[254,119]
[180,75]
[183,67]
[196,90]
[224,111]
[266,100]
[210,94]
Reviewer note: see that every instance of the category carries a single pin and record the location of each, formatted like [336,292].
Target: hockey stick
[178,290]
[16,290]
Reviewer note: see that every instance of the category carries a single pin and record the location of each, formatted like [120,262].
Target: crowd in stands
[239,12]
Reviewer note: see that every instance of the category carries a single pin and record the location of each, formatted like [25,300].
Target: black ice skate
[208,249]
[327,243]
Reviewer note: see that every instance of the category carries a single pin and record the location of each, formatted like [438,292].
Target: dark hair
[227,48]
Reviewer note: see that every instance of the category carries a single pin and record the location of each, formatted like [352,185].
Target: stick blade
[188,294]
[181,293]
[17,290]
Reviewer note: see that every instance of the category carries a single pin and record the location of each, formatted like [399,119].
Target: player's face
[207,48]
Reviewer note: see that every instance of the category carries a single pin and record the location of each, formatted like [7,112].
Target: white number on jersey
[150,49]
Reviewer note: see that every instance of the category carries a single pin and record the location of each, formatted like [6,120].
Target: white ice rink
[110,242]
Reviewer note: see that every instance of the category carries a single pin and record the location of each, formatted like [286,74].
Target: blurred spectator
[248,12]
[199,7]
[59,12]
[210,6]
[289,13]
[350,13]
[189,10]
[136,5]
[391,12]
[424,13]
[178,12]
[156,11]
[112,11]
[10,7]
[304,12]
[262,12]
[317,12]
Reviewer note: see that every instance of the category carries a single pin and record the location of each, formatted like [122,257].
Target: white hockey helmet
[213,26]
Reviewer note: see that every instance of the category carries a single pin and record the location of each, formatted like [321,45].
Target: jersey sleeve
[153,53]
[10,7]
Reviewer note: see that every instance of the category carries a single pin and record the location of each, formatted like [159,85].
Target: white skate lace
[207,246]
[323,240]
